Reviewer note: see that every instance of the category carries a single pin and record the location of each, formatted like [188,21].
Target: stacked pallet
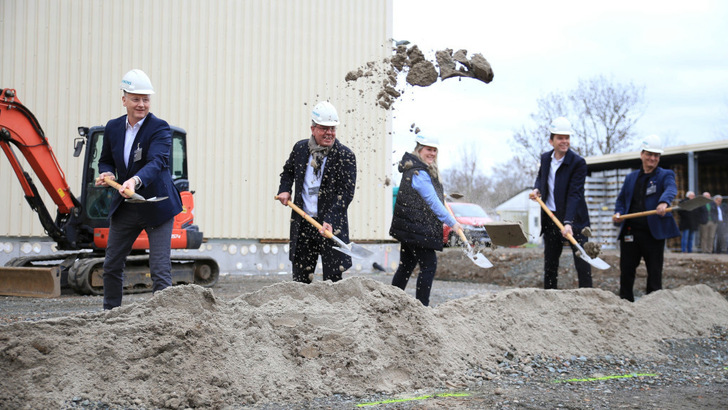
[601,190]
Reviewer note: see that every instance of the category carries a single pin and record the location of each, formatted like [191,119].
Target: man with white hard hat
[136,152]
[323,171]
[649,188]
[560,182]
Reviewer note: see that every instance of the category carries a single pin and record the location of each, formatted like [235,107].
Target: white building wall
[239,76]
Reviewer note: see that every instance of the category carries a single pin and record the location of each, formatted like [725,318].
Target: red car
[472,218]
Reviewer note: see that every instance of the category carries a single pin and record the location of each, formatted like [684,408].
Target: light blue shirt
[422,183]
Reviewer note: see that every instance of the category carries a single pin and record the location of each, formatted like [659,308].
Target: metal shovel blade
[694,203]
[479,259]
[138,199]
[352,249]
[595,262]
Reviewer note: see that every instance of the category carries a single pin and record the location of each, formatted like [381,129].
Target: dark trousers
[126,225]
[643,246]
[309,245]
[553,245]
[409,257]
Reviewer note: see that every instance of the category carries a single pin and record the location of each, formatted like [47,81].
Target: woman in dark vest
[418,216]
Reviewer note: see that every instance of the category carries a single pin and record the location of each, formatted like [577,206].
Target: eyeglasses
[326,129]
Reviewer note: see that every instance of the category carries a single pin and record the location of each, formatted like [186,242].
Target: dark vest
[413,221]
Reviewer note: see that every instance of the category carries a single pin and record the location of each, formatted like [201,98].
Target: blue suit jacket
[568,190]
[155,141]
[336,192]
[661,227]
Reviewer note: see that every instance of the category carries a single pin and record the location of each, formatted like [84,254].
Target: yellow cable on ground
[427,396]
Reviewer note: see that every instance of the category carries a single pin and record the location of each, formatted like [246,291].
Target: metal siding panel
[240,77]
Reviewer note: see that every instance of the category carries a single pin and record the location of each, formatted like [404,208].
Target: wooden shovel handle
[460,232]
[117,185]
[643,213]
[555,219]
[307,217]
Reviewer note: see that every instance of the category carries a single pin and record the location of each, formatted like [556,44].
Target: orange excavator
[81,225]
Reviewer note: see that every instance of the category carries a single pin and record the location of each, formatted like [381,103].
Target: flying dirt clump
[420,71]
[593,249]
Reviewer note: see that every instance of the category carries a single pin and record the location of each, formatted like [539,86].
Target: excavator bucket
[30,282]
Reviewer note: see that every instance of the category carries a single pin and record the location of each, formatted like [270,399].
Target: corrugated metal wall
[240,76]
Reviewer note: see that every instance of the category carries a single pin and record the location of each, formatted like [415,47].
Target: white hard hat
[427,141]
[325,114]
[561,126]
[136,82]
[652,143]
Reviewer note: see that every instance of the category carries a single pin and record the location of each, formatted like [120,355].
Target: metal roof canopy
[707,153]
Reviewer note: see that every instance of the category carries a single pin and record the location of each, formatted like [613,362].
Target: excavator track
[84,272]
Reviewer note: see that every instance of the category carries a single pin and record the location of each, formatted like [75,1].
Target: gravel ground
[693,373]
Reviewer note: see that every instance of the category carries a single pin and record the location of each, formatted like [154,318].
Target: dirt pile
[186,348]
[523,267]
[419,70]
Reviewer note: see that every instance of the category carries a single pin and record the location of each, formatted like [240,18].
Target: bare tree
[606,114]
[603,114]
[466,177]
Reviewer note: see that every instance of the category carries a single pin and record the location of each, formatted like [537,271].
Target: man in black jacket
[688,225]
[560,182]
[324,173]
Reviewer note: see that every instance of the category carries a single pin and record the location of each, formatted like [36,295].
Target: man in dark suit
[136,151]
[648,188]
[707,225]
[688,224]
[719,212]
[324,173]
[560,182]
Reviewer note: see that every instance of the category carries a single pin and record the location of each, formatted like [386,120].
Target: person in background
[648,188]
[707,227]
[419,213]
[688,225]
[136,151]
[721,224]
[324,173]
[560,182]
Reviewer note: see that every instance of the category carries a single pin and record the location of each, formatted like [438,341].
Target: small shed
[522,209]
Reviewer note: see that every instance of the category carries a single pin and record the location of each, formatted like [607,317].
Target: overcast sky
[677,50]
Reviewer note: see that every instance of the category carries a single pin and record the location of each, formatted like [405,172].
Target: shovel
[595,262]
[688,205]
[135,198]
[478,259]
[351,249]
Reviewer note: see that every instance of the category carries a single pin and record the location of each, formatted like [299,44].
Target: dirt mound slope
[519,267]
[184,347]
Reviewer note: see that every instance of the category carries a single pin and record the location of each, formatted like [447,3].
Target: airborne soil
[491,339]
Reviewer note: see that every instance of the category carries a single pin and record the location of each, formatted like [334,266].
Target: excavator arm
[20,128]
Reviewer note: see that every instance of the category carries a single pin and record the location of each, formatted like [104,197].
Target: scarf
[319,153]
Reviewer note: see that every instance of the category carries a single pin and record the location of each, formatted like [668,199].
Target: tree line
[603,114]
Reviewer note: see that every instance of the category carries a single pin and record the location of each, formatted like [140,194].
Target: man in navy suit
[136,151]
[560,182]
[648,188]
[324,173]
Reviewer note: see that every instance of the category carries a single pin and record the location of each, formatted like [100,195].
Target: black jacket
[335,194]
[688,219]
[413,221]
[568,190]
